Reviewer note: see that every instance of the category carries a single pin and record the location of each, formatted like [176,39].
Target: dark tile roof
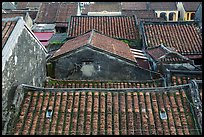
[57,12]
[123,27]
[27,5]
[139,13]
[105,113]
[191,6]
[13,15]
[166,55]
[47,12]
[134,5]
[32,13]
[102,6]
[98,41]
[151,19]
[8,6]
[21,5]
[64,12]
[60,37]
[7,28]
[163,6]
[184,37]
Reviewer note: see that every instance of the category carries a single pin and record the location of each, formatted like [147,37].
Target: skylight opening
[49,113]
[163,114]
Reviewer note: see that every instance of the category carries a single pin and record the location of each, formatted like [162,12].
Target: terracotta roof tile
[105,113]
[184,38]
[99,41]
[140,13]
[7,28]
[32,13]
[125,28]
[191,6]
[166,55]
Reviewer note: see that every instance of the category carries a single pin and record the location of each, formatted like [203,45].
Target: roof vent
[49,113]
[163,114]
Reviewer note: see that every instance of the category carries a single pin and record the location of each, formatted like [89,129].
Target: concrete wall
[26,64]
[89,64]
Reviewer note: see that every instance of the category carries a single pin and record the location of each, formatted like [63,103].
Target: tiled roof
[26,5]
[47,12]
[191,6]
[102,6]
[134,5]
[32,13]
[139,13]
[60,37]
[98,41]
[185,38]
[13,15]
[58,83]
[7,28]
[105,113]
[185,79]
[57,12]
[123,27]
[151,19]
[65,11]
[163,6]
[21,5]
[166,55]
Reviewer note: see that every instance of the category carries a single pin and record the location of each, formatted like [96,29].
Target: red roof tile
[99,41]
[134,5]
[185,38]
[191,6]
[7,28]
[166,55]
[43,36]
[123,27]
[122,113]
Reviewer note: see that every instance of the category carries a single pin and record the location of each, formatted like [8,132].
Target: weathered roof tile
[125,28]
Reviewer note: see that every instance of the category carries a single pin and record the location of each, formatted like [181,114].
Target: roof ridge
[91,36]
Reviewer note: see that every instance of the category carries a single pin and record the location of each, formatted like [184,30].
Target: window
[171,16]
[163,15]
[192,16]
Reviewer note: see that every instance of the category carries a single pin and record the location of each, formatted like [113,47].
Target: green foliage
[57,42]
